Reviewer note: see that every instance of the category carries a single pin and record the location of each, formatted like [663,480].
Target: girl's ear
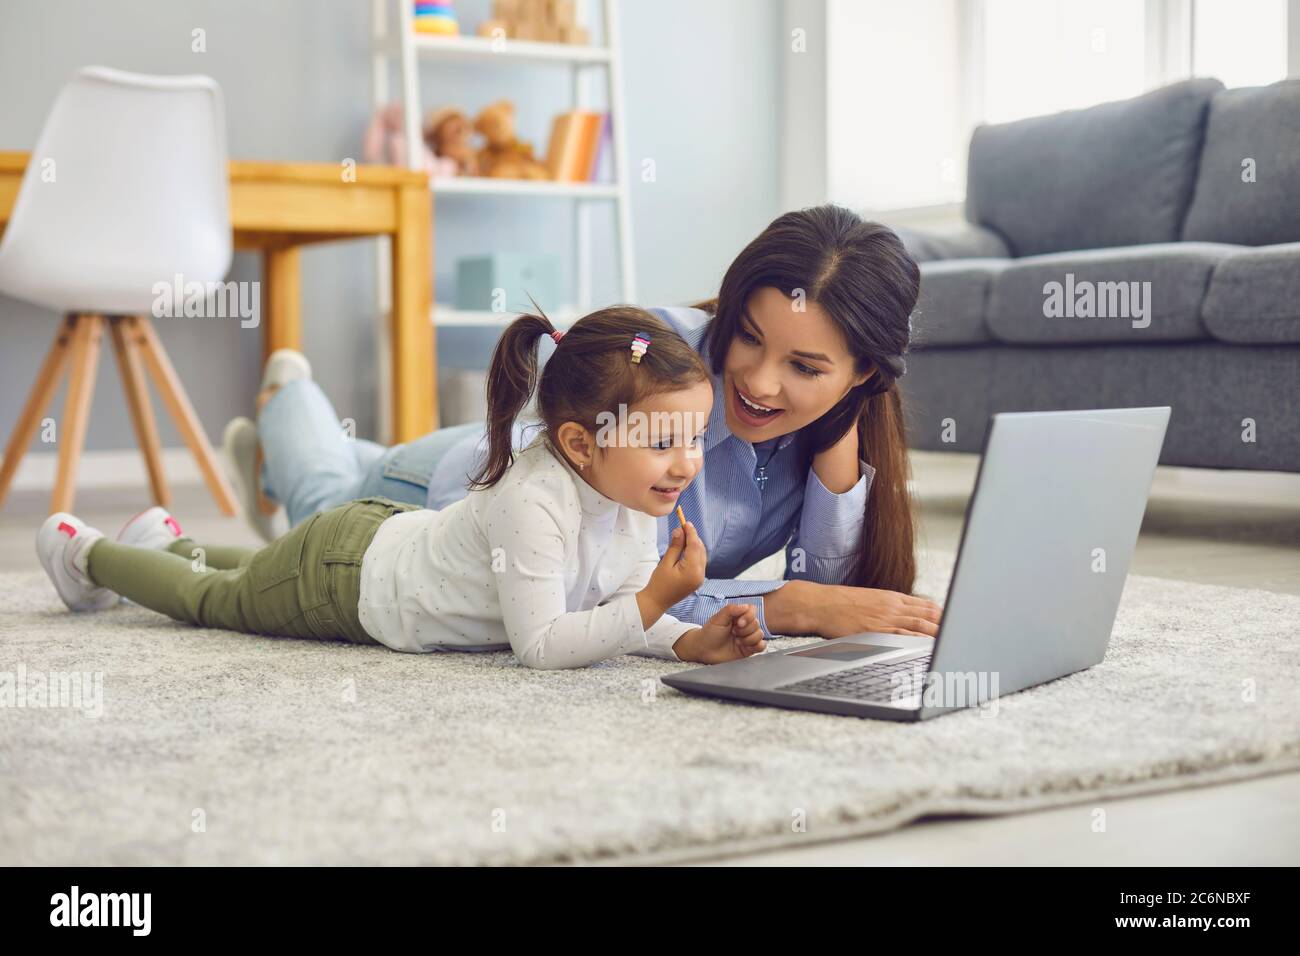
[575,442]
[862,379]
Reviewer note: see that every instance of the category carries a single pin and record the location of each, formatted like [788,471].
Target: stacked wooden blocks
[547,21]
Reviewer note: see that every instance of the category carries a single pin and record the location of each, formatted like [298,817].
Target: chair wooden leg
[76,408]
[29,419]
[141,408]
[178,404]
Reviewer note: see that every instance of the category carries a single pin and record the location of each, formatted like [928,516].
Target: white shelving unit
[409,49]
[468,48]
[484,186]
[451,317]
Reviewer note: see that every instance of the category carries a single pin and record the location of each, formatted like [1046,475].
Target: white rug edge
[970,806]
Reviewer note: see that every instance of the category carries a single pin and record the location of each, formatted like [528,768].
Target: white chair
[127,187]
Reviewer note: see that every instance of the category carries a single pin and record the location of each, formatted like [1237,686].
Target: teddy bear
[503,156]
[447,133]
[385,142]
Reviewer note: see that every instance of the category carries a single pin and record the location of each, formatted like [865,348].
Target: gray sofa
[1144,252]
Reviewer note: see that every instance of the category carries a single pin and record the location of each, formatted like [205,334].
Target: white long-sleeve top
[540,563]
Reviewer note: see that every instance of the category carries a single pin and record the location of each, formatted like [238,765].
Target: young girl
[553,555]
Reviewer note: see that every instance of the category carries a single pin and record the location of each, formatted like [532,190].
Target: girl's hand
[731,634]
[673,580]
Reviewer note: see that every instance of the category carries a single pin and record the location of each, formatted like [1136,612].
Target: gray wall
[701,83]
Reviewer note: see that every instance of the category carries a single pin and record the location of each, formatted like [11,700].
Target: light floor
[1232,528]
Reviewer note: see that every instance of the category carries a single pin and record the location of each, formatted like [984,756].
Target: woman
[805,342]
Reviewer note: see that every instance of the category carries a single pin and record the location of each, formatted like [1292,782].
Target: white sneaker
[152,528]
[239,446]
[63,545]
[284,366]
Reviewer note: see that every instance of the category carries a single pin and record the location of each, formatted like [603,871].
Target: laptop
[1045,549]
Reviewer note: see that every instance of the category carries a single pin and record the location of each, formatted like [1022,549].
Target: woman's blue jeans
[310,464]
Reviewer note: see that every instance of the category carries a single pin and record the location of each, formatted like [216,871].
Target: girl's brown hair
[867,283]
[591,371]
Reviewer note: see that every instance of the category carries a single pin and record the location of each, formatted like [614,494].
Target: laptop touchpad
[844,652]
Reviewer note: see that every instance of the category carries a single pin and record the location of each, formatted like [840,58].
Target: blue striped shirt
[740,519]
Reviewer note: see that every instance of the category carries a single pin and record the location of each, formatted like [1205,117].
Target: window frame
[1169,43]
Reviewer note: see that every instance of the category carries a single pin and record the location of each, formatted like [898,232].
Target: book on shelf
[575,147]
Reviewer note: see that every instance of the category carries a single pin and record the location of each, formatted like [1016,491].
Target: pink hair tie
[557,336]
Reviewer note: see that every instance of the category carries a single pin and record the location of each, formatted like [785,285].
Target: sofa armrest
[968,242]
[1254,296]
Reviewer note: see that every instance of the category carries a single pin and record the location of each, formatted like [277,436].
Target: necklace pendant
[761,478]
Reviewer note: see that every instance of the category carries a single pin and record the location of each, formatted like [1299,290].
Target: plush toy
[447,133]
[385,142]
[503,156]
[551,21]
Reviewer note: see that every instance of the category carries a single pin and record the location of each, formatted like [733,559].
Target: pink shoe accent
[174,525]
[67,529]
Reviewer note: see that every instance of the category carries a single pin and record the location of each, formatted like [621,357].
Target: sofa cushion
[1133,294]
[954,294]
[1117,174]
[1248,187]
[1254,297]
[968,242]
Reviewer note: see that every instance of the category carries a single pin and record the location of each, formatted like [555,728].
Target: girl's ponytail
[510,383]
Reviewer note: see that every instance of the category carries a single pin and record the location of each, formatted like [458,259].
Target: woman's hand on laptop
[833,610]
[729,635]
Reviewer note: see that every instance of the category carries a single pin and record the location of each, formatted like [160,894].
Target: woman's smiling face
[794,363]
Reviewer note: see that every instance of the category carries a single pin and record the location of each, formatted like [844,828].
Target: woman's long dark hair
[867,283]
[590,372]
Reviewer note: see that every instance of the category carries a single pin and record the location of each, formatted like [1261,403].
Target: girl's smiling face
[647,460]
[793,364]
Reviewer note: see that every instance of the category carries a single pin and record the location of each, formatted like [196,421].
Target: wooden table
[277,208]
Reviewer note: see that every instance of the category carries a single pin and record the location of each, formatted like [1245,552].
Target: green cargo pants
[305,584]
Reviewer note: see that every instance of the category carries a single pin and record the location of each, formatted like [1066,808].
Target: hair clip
[640,342]
[557,335]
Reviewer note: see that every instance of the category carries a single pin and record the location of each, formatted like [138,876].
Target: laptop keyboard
[878,682]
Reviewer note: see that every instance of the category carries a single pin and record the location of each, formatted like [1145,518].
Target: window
[893,123]
[1042,56]
[1243,44]
[907,82]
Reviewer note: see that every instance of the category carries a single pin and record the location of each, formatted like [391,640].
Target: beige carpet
[215,748]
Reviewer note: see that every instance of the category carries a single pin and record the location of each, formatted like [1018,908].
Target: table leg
[281,299]
[415,392]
